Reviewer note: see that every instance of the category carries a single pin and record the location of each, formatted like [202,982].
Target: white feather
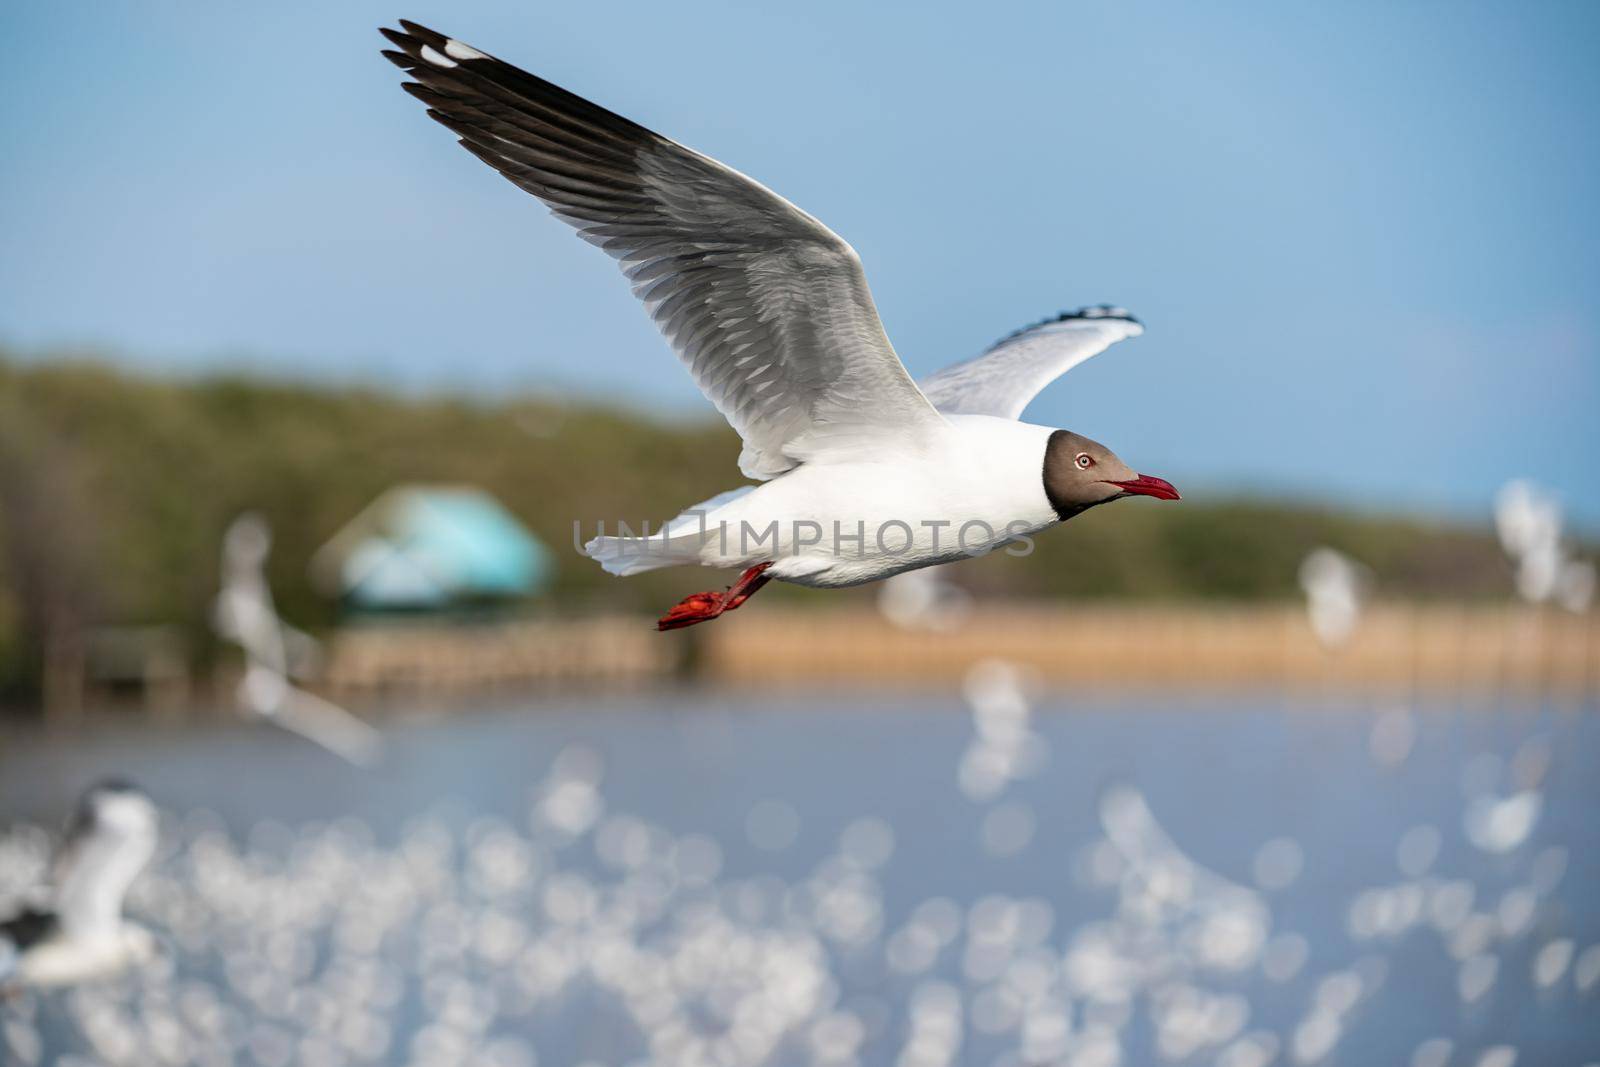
[436,58]
[1004,379]
[457,50]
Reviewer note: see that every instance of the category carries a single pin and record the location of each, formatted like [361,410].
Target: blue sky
[1364,237]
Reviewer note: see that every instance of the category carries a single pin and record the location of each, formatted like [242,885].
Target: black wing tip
[413,33]
[402,60]
[1091,313]
[1096,311]
[417,29]
[423,47]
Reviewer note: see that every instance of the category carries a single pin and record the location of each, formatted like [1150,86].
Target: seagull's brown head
[1080,473]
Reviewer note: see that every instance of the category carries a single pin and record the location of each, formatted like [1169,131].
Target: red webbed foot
[703,607]
[697,607]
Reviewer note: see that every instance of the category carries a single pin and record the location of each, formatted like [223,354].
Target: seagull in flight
[864,472]
[275,652]
[1336,589]
[80,934]
[923,599]
[1529,521]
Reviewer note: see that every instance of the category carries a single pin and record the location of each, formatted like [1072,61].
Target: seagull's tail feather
[678,542]
[623,556]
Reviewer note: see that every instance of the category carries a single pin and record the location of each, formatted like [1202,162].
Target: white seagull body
[958,492]
[81,935]
[866,474]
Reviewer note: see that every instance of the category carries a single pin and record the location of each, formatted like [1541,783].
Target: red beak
[1145,485]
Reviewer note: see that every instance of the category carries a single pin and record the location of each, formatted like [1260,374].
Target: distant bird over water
[1529,522]
[923,599]
[866,474]
[79,934]
[275,651]
[1336,589]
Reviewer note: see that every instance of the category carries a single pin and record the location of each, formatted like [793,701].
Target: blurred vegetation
[115,490]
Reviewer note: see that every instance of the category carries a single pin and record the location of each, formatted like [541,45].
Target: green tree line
[115,489]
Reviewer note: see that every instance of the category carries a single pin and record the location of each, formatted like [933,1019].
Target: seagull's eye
[1084,461]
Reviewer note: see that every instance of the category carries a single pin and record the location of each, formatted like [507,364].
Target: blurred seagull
[866,474]
[1336,587]
[1529,523]
[923,599]
[80,934]
[275,652]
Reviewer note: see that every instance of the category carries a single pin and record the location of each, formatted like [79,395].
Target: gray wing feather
[1003,380]
[767,307]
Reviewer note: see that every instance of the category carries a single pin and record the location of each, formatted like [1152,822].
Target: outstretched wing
[1003,380]
[767,307]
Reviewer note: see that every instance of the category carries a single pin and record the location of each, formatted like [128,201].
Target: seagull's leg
[745,588]
[703,607]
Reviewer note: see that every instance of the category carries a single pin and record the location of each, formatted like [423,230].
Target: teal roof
[419,547]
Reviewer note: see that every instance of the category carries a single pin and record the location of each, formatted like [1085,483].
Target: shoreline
[1428,653]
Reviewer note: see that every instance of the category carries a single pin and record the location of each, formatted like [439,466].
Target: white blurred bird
[275,652]
[1529,522]
[1336,589]
[79,933]
[924,600]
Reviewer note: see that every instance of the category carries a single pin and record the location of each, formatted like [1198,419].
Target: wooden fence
[1433,649]
[1398,648]
[369,663]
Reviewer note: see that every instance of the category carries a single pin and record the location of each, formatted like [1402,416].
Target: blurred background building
[431,548]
